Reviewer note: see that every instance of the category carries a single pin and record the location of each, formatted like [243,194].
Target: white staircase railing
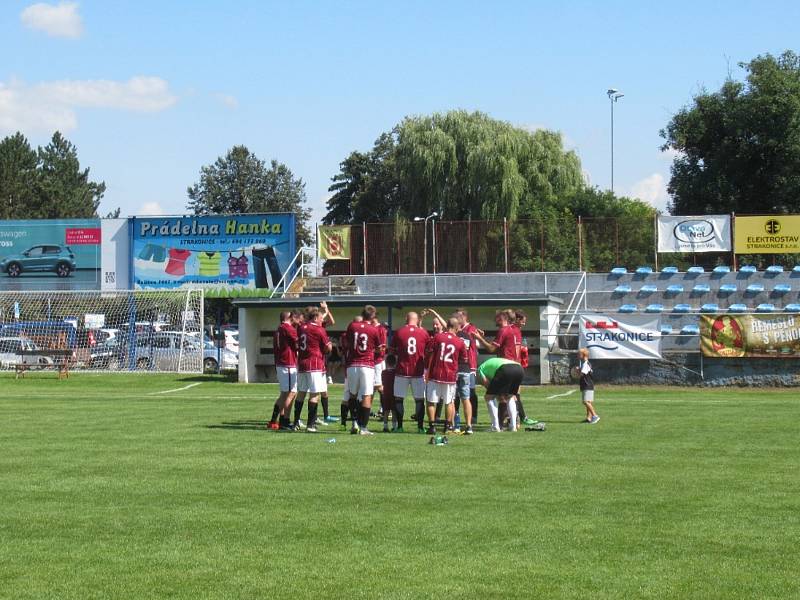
[578,298]
[304,264]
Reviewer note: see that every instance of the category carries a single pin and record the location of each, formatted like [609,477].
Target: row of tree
[737,150]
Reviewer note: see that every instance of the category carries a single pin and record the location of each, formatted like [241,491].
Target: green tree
[64,189]
[739,148]
[18,177]
[47,183]
[240,182]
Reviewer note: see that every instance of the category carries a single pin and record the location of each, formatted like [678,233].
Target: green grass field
[111,489]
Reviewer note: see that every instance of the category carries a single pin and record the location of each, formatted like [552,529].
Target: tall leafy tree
[47,183]
[240,182]
[739,148]
[18,177]
[64,189]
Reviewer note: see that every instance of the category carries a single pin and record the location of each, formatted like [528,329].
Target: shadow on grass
[241,425]
[216,378]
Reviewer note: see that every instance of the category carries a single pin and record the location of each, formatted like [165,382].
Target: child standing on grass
[587,386]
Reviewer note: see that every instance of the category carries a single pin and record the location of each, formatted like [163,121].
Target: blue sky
[151,91]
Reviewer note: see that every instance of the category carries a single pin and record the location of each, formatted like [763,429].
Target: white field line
[186,387]
[568,393]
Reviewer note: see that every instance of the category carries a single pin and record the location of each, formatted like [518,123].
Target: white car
[10,348]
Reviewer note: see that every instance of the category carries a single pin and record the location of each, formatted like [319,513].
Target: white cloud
[44,107]
[151,209]
[59,20]
[227,100]
[653,190]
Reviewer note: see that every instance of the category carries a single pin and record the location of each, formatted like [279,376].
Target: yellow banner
[333,242]
[771,234]
[758,336]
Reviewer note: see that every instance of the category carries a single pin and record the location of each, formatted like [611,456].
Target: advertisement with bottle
[750,335]
[227,255]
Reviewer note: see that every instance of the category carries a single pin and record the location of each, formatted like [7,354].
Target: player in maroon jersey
[446,350]
[470,330]
[285,348]
[408,345]
[362,341]
[520,320]
[312,344]
[506,341]
[327,321]
[380,364]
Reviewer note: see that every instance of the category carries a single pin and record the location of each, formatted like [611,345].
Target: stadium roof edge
[398,300]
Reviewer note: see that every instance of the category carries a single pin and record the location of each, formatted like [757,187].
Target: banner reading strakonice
[771,234]
[228,256]
[621,336]
[707,233]
[751,335]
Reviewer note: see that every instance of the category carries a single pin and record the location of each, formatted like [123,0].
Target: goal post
[147,331]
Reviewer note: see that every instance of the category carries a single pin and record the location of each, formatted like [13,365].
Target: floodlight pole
[425,242]
[613,95]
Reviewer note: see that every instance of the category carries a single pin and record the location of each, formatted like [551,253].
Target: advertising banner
[621,337]
[333,242]
[707,233]
[751,335]
[227,255]
[61,254]
[115,256]
[771,234]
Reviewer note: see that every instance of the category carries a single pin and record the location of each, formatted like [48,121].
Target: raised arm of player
[438,317]
[327,314]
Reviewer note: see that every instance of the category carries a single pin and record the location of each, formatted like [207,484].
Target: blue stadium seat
[690,329]
[619,271]
[648,288]
[682,308]
[622,289]
[747,269]
[782,288]
[666,329]
[644,270]
[654,308]
[775,269]
[755,288]
[793,307]
[675,288]
[710,307]
[701,288]
[696,270]
[796,269]
[765,307]
[671,270]
[628,308]
[721,270]
[727,288]
[737,308]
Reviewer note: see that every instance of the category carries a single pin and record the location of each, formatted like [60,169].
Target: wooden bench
[61,361]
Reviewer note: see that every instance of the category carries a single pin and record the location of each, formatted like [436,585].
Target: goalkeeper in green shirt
[501,378]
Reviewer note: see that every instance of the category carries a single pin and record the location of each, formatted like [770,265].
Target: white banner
[114,255]
[707,233]
[621,336]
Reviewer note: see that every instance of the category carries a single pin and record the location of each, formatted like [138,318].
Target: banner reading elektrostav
[770,234]
[333,242]
[227,255]
[707,233]
[750,335]
[621,336]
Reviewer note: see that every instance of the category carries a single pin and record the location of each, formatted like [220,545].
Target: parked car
[10,357]
[107,355]
[232,339]
[44,257]
[219,359]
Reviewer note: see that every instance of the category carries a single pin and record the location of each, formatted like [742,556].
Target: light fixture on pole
[613,95]
[425,247]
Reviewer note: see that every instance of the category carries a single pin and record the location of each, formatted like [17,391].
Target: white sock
[491,406]
[512,414]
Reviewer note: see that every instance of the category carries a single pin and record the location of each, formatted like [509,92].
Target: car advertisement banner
[227,255]
[771,234]
[621,336]
[59,255]
[751,335]
[707,233]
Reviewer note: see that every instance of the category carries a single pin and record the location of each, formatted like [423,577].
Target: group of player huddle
[440,368]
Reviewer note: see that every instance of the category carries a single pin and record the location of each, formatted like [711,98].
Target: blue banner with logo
[50,254]
[228,255]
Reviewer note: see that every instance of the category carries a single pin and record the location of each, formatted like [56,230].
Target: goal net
[153,331]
